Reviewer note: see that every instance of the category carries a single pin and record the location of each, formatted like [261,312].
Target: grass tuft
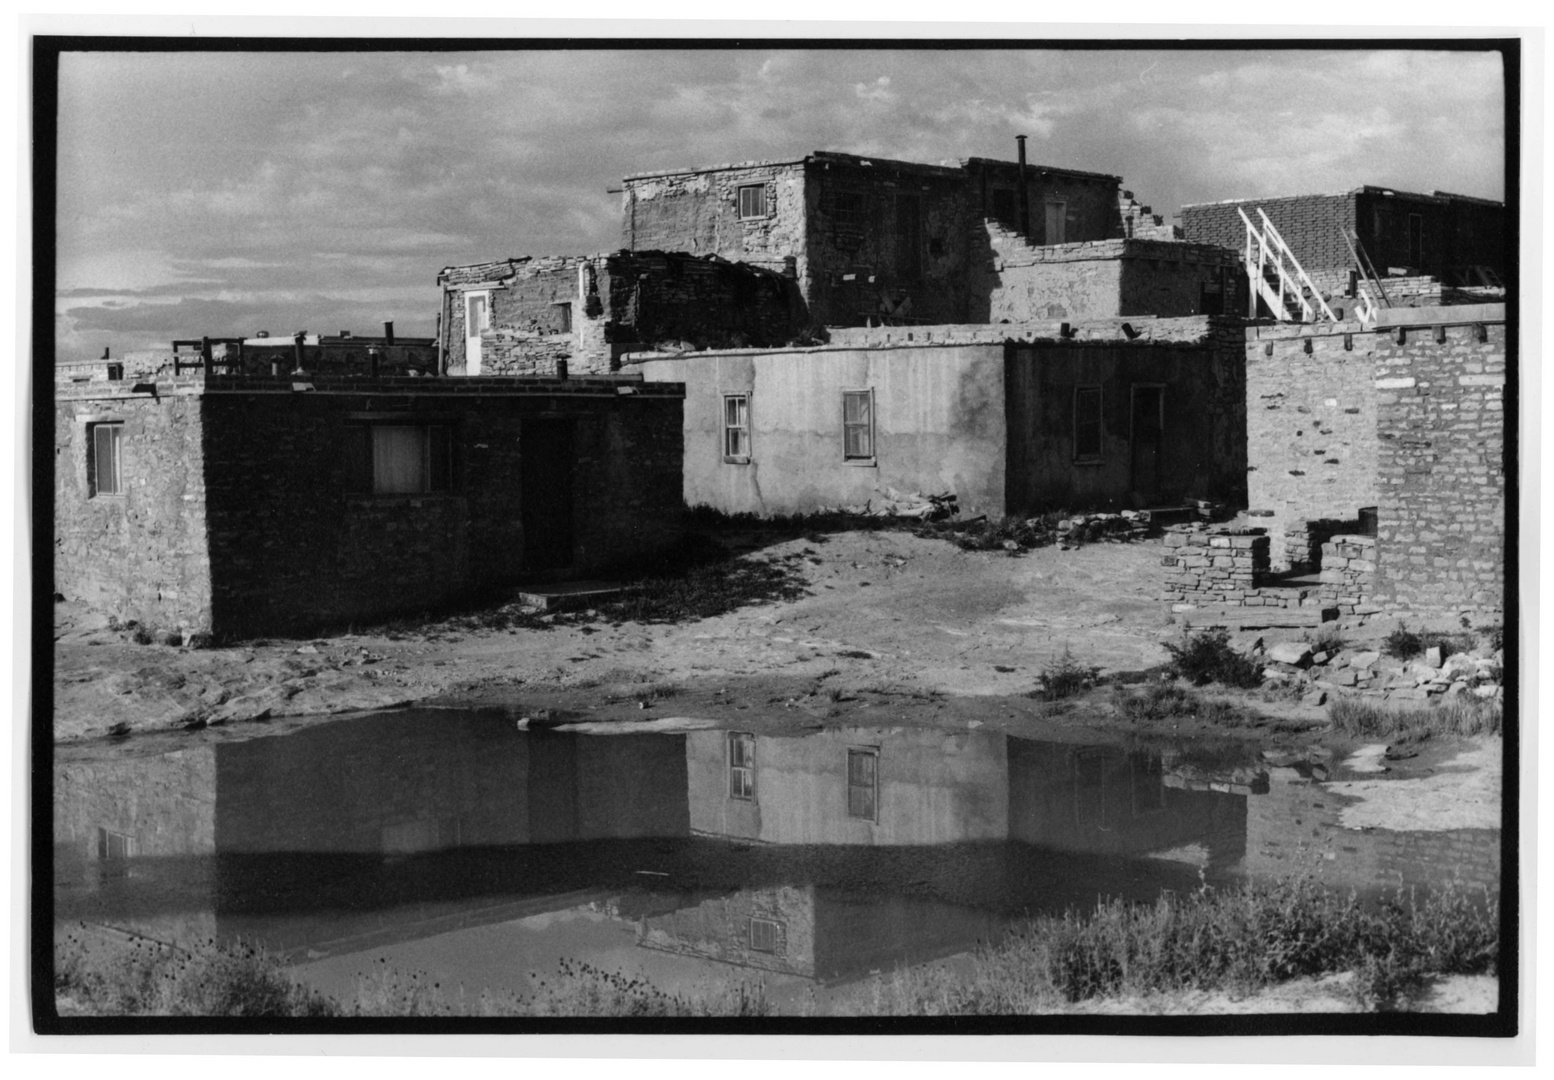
[1167,701]
[1065,678]
[1405,644]
[1456,719]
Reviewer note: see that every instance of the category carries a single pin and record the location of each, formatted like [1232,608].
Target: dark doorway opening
[1415,241]
[1148,435]
[546,449]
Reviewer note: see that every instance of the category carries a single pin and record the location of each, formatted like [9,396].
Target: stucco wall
[939,426]
[1202,448]
[698,212]
[934,788]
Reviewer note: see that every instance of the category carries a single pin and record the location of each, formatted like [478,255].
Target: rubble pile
[1087,528]
[901,504]
[1367,672]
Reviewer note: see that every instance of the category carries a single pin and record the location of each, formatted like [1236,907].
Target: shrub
[1405,644]
[1327,640]
[1207,657]
[140,635]
[1492,636]
[1065,678]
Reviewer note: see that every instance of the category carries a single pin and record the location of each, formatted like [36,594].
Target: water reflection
[823,856]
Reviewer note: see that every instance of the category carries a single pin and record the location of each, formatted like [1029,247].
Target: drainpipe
[1025,193]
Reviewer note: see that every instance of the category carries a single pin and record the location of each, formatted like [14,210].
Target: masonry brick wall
[240,516]
[1311,428]
[1220,567]
[1310,224]
[698,212]
[1091,209]
[141,554]
[1441,422]
[1349,574]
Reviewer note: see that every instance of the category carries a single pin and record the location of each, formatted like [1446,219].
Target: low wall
[1218,567]
[1349,574]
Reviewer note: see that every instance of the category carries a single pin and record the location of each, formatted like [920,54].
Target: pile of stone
[1366,672]
[901,504]
[1086,528]
[1219,566]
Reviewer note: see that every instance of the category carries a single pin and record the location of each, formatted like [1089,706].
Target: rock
[1320,658]
[1291,652]
[1316,697]
[1486,691]
[306,649]
[1274,675]
[1365,659]
[1432,656]
[1346,677]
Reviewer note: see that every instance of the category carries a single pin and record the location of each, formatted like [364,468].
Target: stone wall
[697,211]
[1218,567]
[664,299]
[1349,574]
[1311,428]
[1091,209]
[141,554]
[530,328]
[1441,422]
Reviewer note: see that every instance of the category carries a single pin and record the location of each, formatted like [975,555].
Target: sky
[206,193]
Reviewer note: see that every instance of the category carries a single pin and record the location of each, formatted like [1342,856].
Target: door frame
[1133,427]
[472,357]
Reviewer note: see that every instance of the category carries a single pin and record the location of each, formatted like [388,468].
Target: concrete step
[1257,618]
[567,595]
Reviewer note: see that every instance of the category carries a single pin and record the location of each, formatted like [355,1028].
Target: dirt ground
[913,628]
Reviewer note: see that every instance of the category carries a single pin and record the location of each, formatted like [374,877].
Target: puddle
[456,843]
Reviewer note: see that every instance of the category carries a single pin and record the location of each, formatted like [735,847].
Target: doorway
[477,317]
[546,453]
[1148,436]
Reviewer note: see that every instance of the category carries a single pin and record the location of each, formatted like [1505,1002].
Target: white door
[477,317]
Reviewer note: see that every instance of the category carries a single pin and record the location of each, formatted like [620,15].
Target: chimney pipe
[1025,193]
[388,332]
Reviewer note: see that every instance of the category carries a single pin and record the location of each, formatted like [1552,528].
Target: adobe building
[1011,419]
[1376,461]
[1458,242]
[236,505]
[526,316]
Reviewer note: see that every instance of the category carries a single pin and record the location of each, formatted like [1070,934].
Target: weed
[139,634]
[1065,678]
[1167,701]
[1207,657]
[1405,644]
[1354,716]
[1493,636]
[1242,938]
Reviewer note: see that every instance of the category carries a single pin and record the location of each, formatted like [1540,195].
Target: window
[752,201]
[863,784]
[741,765]
[563,317]
[736,428]
[1087,423]
[763,935]
[105,470]
[114,850]
[858,425]
[1004,208]
[402,459]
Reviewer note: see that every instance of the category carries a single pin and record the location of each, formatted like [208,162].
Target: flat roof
[1434,196]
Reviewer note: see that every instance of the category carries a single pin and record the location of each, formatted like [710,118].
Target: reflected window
[763,935]
[105,476]
[863,784]
[741,765]
[114,851]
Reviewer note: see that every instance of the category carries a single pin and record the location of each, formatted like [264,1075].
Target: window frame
[772,926]
[362,479]
[861,753]
[746,772]
[94,488]
[1080,457]
[872,457]
[739,200]
[729,456]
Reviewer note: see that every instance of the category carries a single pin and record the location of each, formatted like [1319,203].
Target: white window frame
[729,429]
[741,778]
[872,457]
[872,753]
[95,488]
[1100,426]
[739,198]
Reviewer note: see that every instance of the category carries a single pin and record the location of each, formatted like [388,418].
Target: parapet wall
[1440,395]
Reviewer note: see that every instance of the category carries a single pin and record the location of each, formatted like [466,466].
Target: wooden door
[1148,435]
[547,450]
